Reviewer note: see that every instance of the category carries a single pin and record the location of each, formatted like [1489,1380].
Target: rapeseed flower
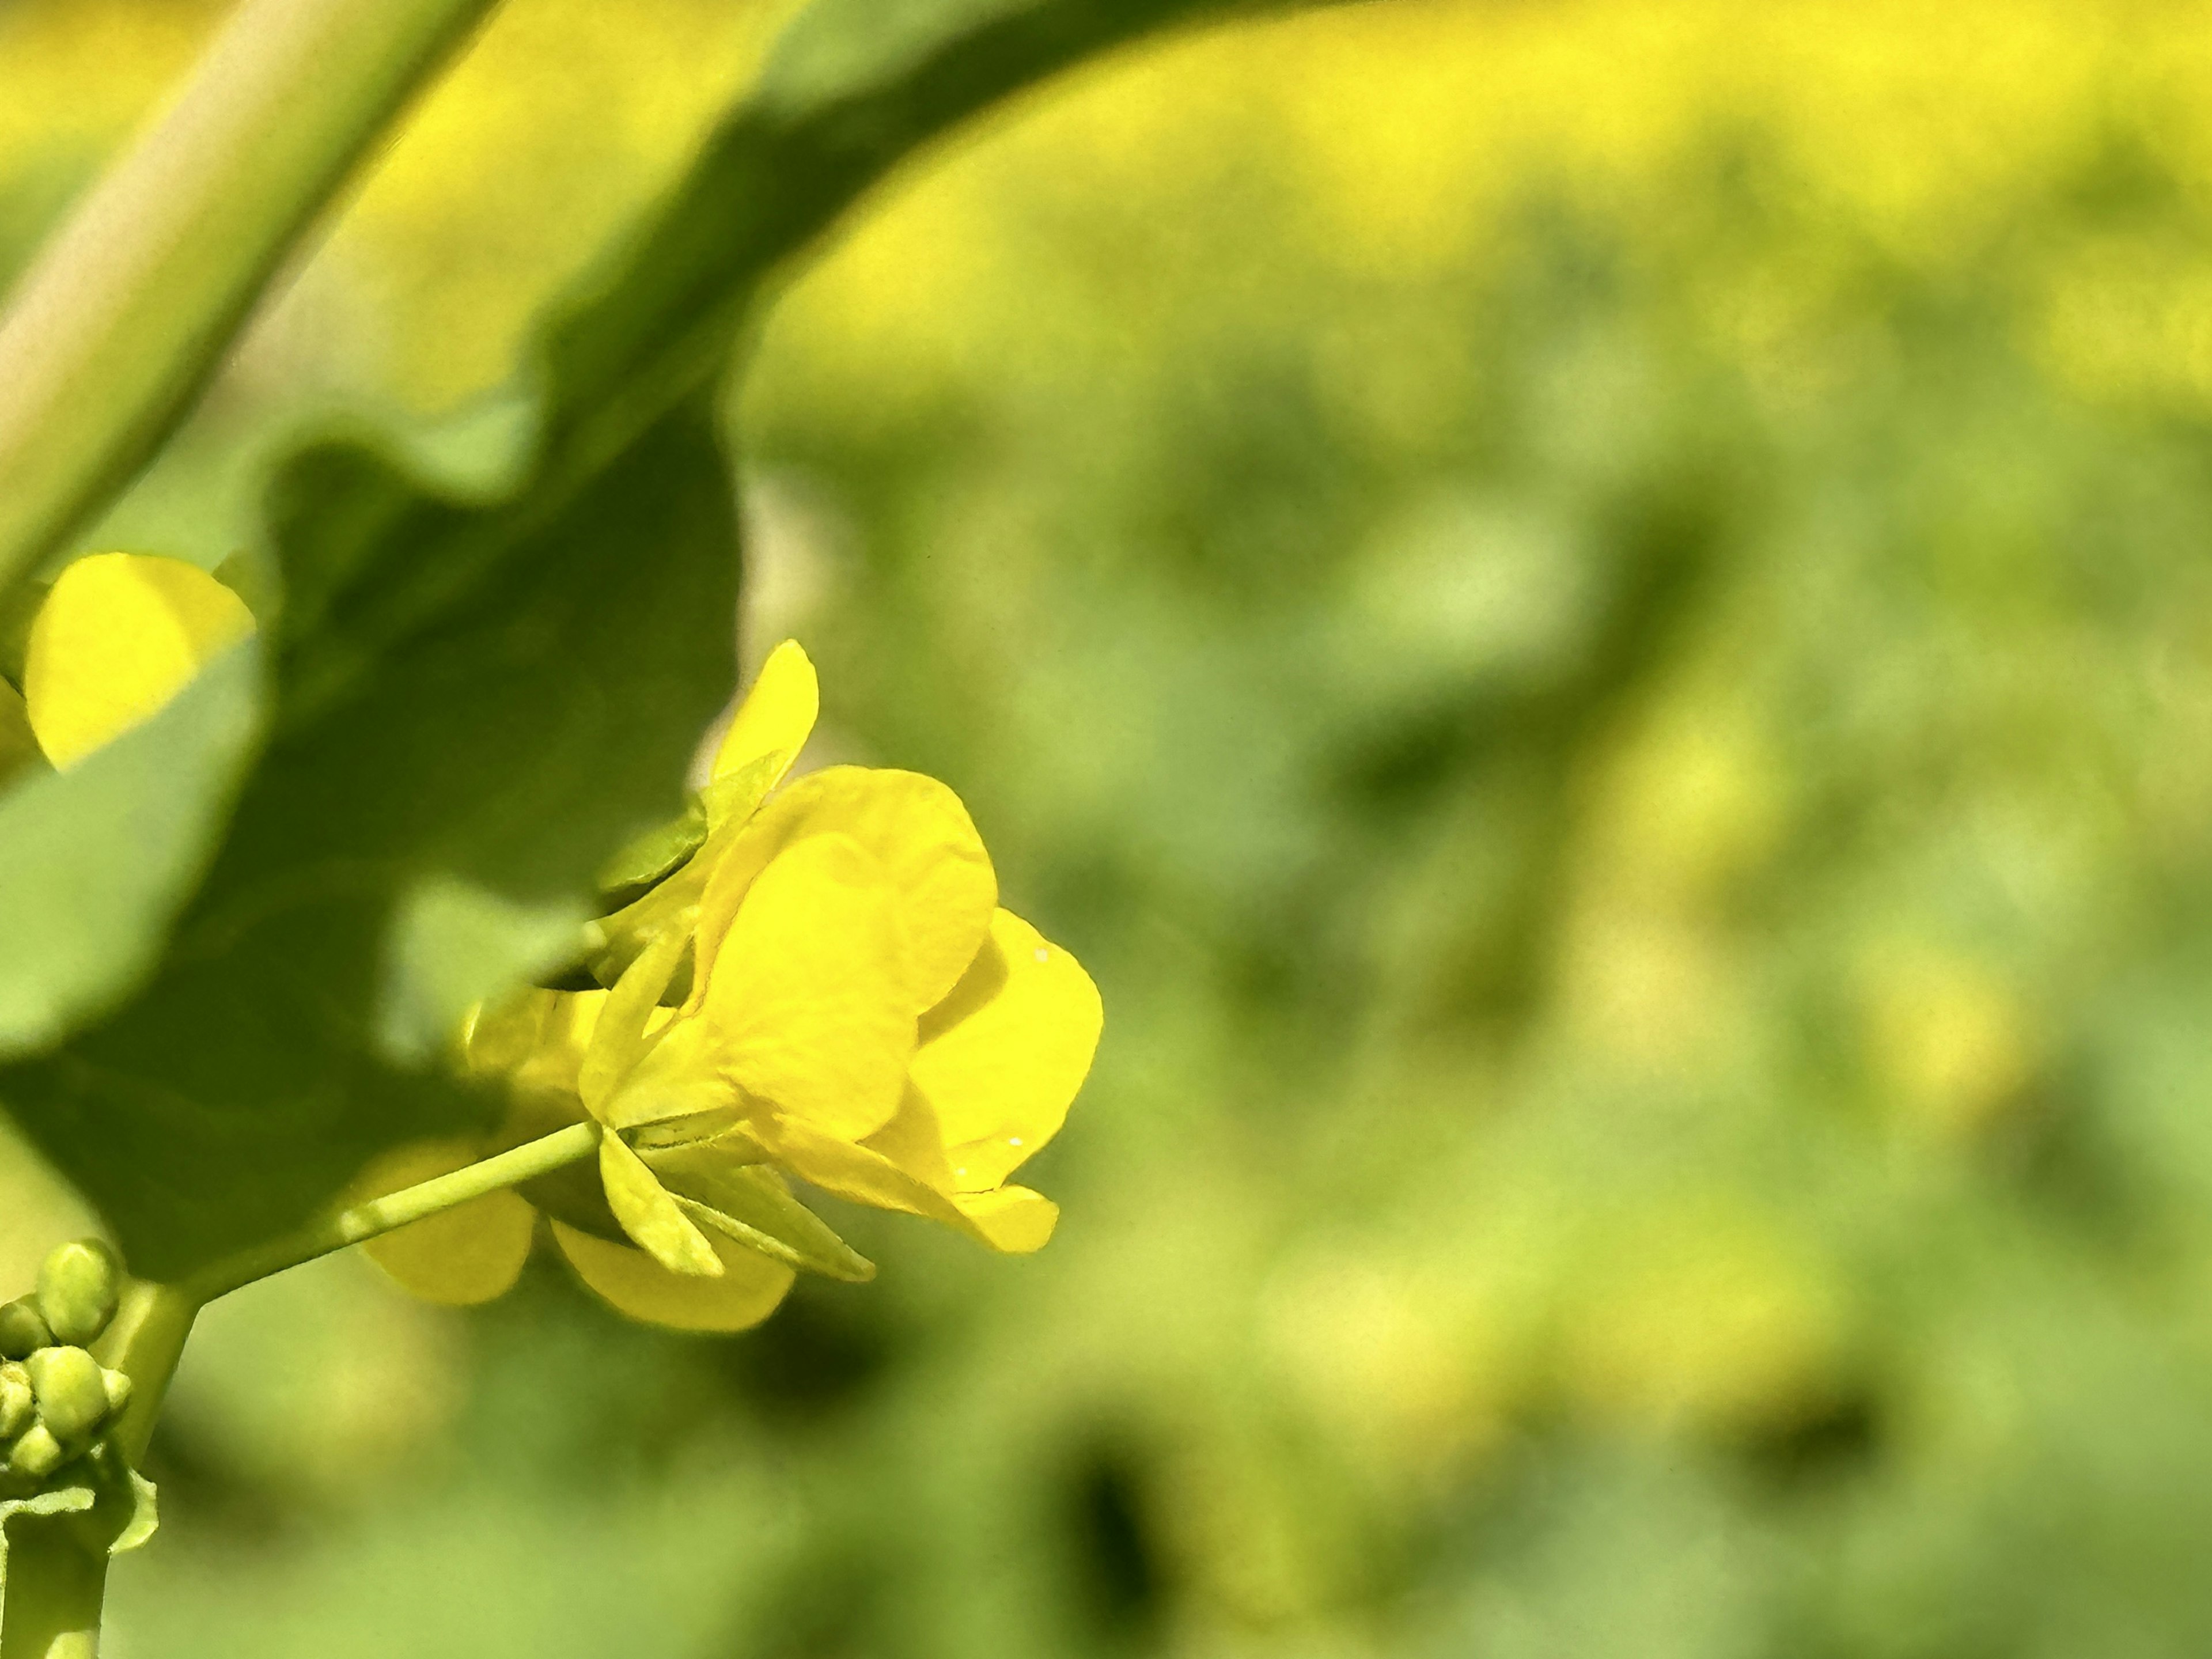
[815,981]
[116,636]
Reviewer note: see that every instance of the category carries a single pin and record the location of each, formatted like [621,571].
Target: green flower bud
[23,1329]
[77,1288]
[72,1398]
[16,1405]
[36,1454]
[117,1388]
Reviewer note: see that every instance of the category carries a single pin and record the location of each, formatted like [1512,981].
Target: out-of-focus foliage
[1593,617]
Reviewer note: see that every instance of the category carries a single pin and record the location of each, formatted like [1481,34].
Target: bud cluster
[55,1398]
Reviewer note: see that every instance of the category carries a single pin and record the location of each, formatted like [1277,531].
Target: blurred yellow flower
[821,983]
[115,639]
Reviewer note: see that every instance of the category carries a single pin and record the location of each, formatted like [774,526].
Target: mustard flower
[116,636]
[816,980]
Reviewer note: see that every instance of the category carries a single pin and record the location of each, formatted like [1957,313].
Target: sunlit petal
[1003,1056]
[918,832]
[775,718]
[805,994]
[1013,1219]
[747,1292]
[119,635]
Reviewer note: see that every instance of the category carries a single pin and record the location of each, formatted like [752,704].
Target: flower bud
[72,1397]
[78,1285]
[116,1386]
[36,1453]
[23,1329]
[15,1400]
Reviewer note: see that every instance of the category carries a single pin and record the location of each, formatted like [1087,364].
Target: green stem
[57,1580]
[144,1341]
[125,315]
[381,1215]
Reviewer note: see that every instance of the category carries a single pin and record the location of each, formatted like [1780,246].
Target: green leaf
[99,858]
[453,944]
[496,691]
[504,731]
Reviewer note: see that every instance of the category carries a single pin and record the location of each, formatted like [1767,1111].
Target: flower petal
[913,826]
[678,1078]
[858,1173]
[618,1034]
[806,996]
[119,634]
[1001,1058]
[470,1253]
[1013,1219]
[650,1216]
[775,718]
[914,1140]
[747,1292]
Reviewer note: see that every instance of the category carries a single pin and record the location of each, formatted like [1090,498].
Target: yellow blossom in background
[120,634]
[824,986]
[116,636]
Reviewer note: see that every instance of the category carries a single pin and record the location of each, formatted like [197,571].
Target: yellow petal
[618,1034]
[918,832]
[914,1141]
[858,1173]
[806,996]
[776,717]
[555,1064]
[747,1292]
[470,1253]
[650,1216]
[679,1077]
[1001,1058]
[1013,1219]
[119,636]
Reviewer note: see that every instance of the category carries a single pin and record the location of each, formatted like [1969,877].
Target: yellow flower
[118,635]
[818,981]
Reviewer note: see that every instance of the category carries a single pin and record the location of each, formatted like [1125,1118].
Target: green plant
[242,934]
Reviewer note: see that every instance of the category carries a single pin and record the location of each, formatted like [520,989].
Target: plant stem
[381,1215]
[124,316]
[144,1341]
[57,1580]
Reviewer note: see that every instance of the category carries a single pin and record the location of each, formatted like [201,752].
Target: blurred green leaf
[100,858]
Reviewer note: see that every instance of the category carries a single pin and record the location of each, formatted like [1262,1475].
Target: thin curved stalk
[125,315]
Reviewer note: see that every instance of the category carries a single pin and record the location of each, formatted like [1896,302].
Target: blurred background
[1594,616]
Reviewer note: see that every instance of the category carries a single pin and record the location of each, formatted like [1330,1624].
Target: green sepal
[750,1203]
[655,854]
[109,1501]
[670,895]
